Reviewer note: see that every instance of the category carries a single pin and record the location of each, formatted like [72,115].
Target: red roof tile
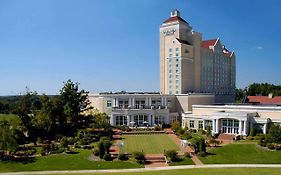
[264,99]
[175,18]
[208,43]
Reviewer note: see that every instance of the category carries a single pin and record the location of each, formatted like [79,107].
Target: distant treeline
[8,104]
[258,89]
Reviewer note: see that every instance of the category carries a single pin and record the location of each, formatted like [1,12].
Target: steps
[155,159]
[229,137]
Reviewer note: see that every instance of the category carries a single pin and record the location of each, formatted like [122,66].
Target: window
[177,71]
[121,120]
[177,76]
[177,54]
[177,60]
[177,92]
[170,71]
[177,81]
[170,76]
[177,65]
[177,49]
[170,92]
[191,124]
[170,50]
[186,50]
[170,65]
[200,125]
[170,55]
[109,103]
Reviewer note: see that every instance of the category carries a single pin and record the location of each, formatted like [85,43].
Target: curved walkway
[148,169]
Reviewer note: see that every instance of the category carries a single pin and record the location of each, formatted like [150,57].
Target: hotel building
[189,64]
[194,75]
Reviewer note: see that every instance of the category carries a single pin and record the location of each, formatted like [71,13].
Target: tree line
[257,89]
[48,117]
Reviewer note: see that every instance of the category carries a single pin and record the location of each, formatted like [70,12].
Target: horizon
[107,45]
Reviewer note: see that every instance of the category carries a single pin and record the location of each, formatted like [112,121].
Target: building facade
[145,109]
[232,119]
[189,64]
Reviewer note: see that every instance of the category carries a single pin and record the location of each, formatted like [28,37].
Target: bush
[96,152]
[64,142]
[101,149]
[122,157]
[270,146]
[107,157]
[139,156]
[261,142]
[250,138]
[172,155]
[157,128]
[107,144]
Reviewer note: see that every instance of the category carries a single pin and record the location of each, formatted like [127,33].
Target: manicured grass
[65,162]
[149,144]
[242,154]
[209,171]
[184,161]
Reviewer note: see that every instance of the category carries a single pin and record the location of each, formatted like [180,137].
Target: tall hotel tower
[189,64]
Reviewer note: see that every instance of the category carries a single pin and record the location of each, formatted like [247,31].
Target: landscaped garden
[241,154]
[79,160]
[149,144]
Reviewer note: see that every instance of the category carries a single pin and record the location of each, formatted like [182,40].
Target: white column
[149,119]
[214,125]
[128,120]
[146,101]
[153,120]
[112,120]
[133,102]
[240,127]
[264,128]
[245,125]
[130,102]
[217,125]
[116,102]
[149,101]
[204,125]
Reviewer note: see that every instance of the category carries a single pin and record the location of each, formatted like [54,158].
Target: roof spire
[175,13]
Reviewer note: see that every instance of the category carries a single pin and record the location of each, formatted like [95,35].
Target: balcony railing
[140,107]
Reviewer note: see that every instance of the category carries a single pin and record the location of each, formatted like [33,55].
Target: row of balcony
[140,107]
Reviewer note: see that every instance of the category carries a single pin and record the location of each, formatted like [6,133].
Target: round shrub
[96,152]
[107,157]
[122,157]
[139,156]
[270,146]
[172,155]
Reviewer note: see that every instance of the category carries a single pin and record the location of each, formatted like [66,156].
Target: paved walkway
[149,169]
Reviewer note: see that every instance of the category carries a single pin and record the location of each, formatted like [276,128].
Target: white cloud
[259,48]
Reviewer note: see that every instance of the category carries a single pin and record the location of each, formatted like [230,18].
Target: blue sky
[113,45]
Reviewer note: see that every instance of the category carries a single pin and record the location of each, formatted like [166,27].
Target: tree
[75,103]
[8,142]
[101,149]
[101,121]
[274,134]
[26,111]
[175,126]
[209,132]
[64,142]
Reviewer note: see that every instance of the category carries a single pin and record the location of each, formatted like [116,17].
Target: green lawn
[209,171]
[242,154]
[149,144]
[65,162]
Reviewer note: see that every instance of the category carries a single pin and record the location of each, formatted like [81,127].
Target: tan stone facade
[189,64]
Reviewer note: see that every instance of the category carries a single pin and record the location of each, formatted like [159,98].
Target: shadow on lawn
[23,160]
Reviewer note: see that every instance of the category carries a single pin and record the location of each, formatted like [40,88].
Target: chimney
[270,95]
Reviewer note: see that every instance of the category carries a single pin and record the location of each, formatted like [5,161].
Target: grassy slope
[149,144]
[242,153]
[65,162]
[219,171]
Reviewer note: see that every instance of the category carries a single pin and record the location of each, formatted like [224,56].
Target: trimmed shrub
[270,146]
[107,157]
[101,149]
[139,156]
[122,157]
[172,155]
[278,147]
[107,144]
[96,152]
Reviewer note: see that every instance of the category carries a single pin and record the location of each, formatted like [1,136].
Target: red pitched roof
[207,43]
[175,18]
[264,99]
[183,41]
